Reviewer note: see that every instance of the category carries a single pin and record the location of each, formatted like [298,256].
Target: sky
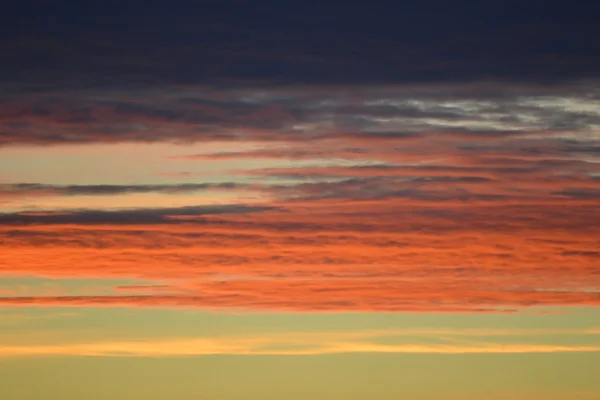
[263,200]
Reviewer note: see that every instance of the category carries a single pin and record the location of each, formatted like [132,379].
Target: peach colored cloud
[298,343]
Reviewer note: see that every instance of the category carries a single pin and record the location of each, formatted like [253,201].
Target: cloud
[300,343]
[181,174]
[331,296]
[321,254]
[33,189]
[339,259]
[414,198]
[298,115]
[128,216]
[199,347]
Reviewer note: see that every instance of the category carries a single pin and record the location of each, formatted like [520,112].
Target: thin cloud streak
[299,116]
[307,343]
[33,189]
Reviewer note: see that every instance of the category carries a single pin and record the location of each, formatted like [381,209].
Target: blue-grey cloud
[130,216]
[27,189]
[476,111]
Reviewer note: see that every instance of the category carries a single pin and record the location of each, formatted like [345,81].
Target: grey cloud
[131,216]
[581,193]
[291,114]
[107,190]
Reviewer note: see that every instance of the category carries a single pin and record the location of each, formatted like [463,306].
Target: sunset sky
[278,200]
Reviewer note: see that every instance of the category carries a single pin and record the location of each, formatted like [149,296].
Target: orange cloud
[332,257]
[360,199]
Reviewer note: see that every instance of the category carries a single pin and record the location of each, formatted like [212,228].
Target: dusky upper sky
[239,200]
[232,43]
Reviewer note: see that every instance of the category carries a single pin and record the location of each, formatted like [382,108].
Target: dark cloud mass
[131,216]
[239,42]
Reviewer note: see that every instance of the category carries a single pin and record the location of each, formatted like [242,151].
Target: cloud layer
[358,121]
[473,198]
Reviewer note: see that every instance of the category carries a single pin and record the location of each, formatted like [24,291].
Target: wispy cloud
[299,115]
[303,343]
[472,198]
[319,256]
[33,189]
